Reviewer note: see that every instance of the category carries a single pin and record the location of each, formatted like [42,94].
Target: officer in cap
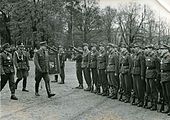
[113,71]
[41,62]
[101,66]
[21,61]
[7,70]
[93,67]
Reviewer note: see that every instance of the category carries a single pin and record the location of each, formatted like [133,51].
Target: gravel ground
[68,104]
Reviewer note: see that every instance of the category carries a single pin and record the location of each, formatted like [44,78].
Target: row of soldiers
[132,75]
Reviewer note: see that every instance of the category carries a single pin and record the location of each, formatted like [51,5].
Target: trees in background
[72,22]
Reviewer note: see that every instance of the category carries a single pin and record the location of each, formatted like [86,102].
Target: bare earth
[68,104]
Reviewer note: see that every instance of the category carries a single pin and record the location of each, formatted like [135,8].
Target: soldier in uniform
[41,62]
[138,72]
[78,59]
[93,67]
[113,71]
[126,72]
[62,64]
[21,62]
[101,66]
[85,65]
[165,78]
[152,68]
[7,70]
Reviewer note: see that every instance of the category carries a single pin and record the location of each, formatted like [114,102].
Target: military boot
[13,97]
[145,105]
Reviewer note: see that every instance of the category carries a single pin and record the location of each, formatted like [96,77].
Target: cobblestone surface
[68,104]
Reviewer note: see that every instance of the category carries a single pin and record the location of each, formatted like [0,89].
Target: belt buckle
[147,67]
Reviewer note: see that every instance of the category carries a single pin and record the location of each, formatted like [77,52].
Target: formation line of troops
[136,75]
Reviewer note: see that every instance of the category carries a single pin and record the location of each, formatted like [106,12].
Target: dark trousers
[95,77]
[79,75]
[140,87]
[113,82]
[122,85]
[38,77]
[24,82]
[8,77]
[128,85]
[87,76]
[103,79]
[62,75]
[166,92]
[154,93]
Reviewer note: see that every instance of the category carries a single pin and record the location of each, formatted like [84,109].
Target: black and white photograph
[85,59]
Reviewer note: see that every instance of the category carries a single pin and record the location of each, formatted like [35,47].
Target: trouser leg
[79,76]
[4,79]
[38,77]
[62,75]
[24,82]
[47,83]
[140,88]
[12,83]
[104,81]
[87,76]
[167,88]
[128,87]
[135,91]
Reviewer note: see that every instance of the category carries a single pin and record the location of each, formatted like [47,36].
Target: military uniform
[93,67]
[7,71]
[138,72]
[152,68]
[165,78]
[126,72]
[112,74]
[21,61]
[79,71]
[62,66]
[86,68]
[101,66]
[41,62]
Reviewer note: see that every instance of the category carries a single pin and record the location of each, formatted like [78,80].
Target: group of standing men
[136,75]
[19,59]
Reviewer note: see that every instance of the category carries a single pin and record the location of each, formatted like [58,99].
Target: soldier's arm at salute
[36,62]
[79,51]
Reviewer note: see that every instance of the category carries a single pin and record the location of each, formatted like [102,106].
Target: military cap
[85,44]
[93,45]
[43,43]
[6,45]
[101,44]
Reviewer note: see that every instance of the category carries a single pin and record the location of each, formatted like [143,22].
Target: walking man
[41,62]
[21,62]
[7,70]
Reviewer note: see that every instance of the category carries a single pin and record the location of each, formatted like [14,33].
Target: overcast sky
[160,7]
